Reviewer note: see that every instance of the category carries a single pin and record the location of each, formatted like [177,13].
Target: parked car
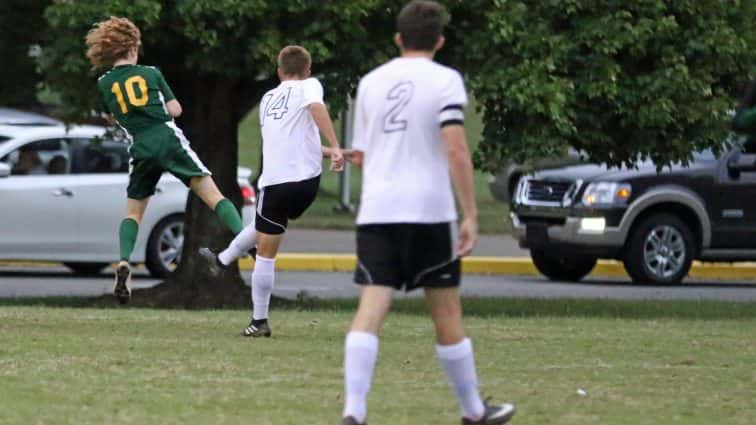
[655,223]
[62,196]
[10,116]
[504,183]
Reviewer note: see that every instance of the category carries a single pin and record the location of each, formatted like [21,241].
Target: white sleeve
[359,138]
[312,91]
[453,101]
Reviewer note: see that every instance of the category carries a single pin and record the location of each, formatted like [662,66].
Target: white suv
[63,195]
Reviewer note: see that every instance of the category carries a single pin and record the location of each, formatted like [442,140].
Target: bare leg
[446,311]
[375,302]
[205,188]
[135,208]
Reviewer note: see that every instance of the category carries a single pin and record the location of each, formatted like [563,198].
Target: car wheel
[570,269]
[86,269]
[165,245]
[660,250]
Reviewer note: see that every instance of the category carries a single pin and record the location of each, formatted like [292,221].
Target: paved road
[334,241]
[58,281]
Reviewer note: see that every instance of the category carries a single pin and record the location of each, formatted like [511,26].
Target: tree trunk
[210,121]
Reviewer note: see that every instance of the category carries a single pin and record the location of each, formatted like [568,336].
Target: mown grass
[659,362]
[494,216]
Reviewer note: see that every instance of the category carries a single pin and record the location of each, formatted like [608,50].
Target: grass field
[494,216]
[639,363]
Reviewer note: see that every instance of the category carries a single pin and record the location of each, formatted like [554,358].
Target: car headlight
[606,193]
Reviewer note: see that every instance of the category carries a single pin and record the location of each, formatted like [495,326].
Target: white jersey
[291,140]
[400,109]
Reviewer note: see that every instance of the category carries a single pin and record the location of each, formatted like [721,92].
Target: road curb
[521,266]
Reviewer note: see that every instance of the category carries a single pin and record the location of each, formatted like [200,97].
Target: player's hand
[468,236]
[337,160]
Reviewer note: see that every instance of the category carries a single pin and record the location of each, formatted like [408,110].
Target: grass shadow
[476,307]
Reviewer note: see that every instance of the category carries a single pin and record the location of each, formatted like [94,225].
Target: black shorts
[408,255]
[278,203]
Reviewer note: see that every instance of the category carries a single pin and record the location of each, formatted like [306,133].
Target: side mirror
[5,170]
[743,163]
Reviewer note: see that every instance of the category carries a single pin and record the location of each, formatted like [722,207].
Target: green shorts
[159,149]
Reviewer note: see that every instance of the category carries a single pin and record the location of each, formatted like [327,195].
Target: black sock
[257,323]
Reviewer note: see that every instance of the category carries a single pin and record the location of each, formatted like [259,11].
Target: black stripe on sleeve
[453,106]
[452,122]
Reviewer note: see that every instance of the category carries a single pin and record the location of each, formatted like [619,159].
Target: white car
[63,195]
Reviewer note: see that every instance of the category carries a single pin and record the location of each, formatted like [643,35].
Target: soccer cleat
[122,287]
[494,415]
[256,331]
[350,420]
[212,261]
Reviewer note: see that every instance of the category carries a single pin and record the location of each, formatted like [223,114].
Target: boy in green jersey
[143,105]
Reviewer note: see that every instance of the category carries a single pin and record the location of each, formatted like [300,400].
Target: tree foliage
[219,57]
[223,39]
[617,79]
[22,26]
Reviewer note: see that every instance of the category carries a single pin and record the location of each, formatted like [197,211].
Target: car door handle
[63,192]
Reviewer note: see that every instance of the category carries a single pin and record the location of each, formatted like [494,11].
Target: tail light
[248,195]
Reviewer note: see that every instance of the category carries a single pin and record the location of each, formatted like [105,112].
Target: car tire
[570,269]
[660,250]
[86,269]
[164,246]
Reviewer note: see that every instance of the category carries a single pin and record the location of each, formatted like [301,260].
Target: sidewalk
[342,242]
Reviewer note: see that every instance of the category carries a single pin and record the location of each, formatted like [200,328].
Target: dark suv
[656,223]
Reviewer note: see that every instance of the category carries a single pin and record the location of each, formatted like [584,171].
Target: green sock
[229,215]
[128,234]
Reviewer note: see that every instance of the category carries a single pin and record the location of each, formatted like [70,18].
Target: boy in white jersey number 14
[409,137]
[292,116]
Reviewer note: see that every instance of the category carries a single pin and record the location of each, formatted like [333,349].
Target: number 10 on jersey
[131,85]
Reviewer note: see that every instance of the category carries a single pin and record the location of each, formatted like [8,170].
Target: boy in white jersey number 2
[292,116]
[409,137]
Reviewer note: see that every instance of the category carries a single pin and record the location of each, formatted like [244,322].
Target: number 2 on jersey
[134,100]
[400,96]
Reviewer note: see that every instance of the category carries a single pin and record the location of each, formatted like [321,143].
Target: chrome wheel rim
[664,252]
[170,245]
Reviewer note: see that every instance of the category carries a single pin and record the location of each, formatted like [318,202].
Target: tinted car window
[40,158]
[97,156]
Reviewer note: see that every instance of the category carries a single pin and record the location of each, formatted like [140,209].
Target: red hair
[111,40]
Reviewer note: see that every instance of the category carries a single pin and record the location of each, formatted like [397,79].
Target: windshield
[704,155]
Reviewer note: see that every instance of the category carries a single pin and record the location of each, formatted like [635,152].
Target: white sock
[459,363]
[360,354]
[238,247]
[262,286]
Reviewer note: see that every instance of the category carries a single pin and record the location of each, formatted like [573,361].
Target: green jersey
[136,96]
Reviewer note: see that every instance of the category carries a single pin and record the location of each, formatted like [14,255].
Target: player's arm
[174,108]
[349,154]
[171,104]
[354,156]
[359,138]
[461,171]
[109,118]
[325,125]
